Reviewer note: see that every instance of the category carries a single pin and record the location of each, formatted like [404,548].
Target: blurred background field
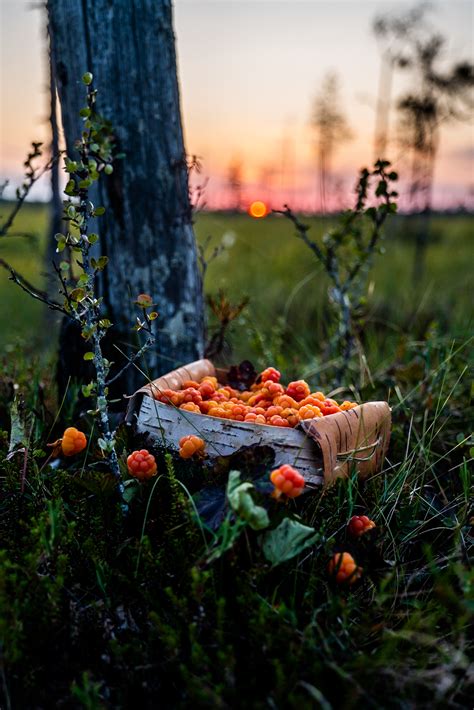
[287,290]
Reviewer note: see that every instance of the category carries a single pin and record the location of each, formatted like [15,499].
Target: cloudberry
[191,445]
[298,390]
[344,568]
[309,411]
[274,409]
[212,380]
[347,405]
[329,407]
[270,374]
[206,389]
[291,416]
[274,388]
[359,524]
[286,401]
[287,480]
[141,464]
[73,441]
[192,395]
[190,407]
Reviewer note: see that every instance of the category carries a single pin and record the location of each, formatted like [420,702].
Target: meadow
[102,610]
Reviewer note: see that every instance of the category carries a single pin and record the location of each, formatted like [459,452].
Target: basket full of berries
[234,409]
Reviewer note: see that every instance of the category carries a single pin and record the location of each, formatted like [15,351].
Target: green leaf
[87,390]
[242,503]
[84,184]
[88,356]
[287,540]
[85,112]
[131,488]
[61,245]
[93,238]
[102,262]
[77,294]
[64,265]
[70,188]
[105,323]
[99,211]
[83,279]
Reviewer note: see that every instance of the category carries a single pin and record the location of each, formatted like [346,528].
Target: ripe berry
[270,374]
[73,441]
[206,389]
[347,405]
[329,407]
[298,390]
[141,464]
[309,411]
[344,568]
[287,480]
[359,524]
[190,407]
[191,445]
[274,388]
[190,383]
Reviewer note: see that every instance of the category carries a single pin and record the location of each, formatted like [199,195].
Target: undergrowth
[100,609]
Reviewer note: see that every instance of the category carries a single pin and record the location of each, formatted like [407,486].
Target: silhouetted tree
[234,181]
[394,34]
[331,128]
[436,96]
[146,231]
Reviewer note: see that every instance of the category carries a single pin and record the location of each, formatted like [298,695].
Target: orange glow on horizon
[258,209]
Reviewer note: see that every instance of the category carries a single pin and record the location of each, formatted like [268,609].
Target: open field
[262,259]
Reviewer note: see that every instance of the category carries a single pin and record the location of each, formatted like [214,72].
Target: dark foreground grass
[102,610]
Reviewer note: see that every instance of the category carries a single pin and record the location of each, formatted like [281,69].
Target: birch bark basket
[321,449]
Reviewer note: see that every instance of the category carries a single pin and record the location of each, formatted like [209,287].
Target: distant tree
[436,96]
[234,181]
[146,231]
[331,129]
[394,34]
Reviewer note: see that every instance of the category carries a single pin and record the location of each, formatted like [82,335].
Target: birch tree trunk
[146,232]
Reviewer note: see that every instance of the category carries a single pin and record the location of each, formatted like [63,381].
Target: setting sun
[258,209]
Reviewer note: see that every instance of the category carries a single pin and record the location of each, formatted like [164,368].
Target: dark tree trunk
[147,230]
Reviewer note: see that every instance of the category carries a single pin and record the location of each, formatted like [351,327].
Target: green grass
[102,610]
[284,283]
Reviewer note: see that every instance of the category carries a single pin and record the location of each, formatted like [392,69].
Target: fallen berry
[344,569]
[287,480]
[141,465]
[73,441]
[190,445]
[359,524]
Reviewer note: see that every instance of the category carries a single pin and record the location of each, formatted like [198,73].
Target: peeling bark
[147,229]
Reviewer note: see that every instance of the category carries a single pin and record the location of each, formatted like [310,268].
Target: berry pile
[266,402]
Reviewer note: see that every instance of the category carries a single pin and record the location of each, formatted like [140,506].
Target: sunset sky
[249,72]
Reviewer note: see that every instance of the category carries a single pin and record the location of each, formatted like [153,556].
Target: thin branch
[31,290]
[131,360]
